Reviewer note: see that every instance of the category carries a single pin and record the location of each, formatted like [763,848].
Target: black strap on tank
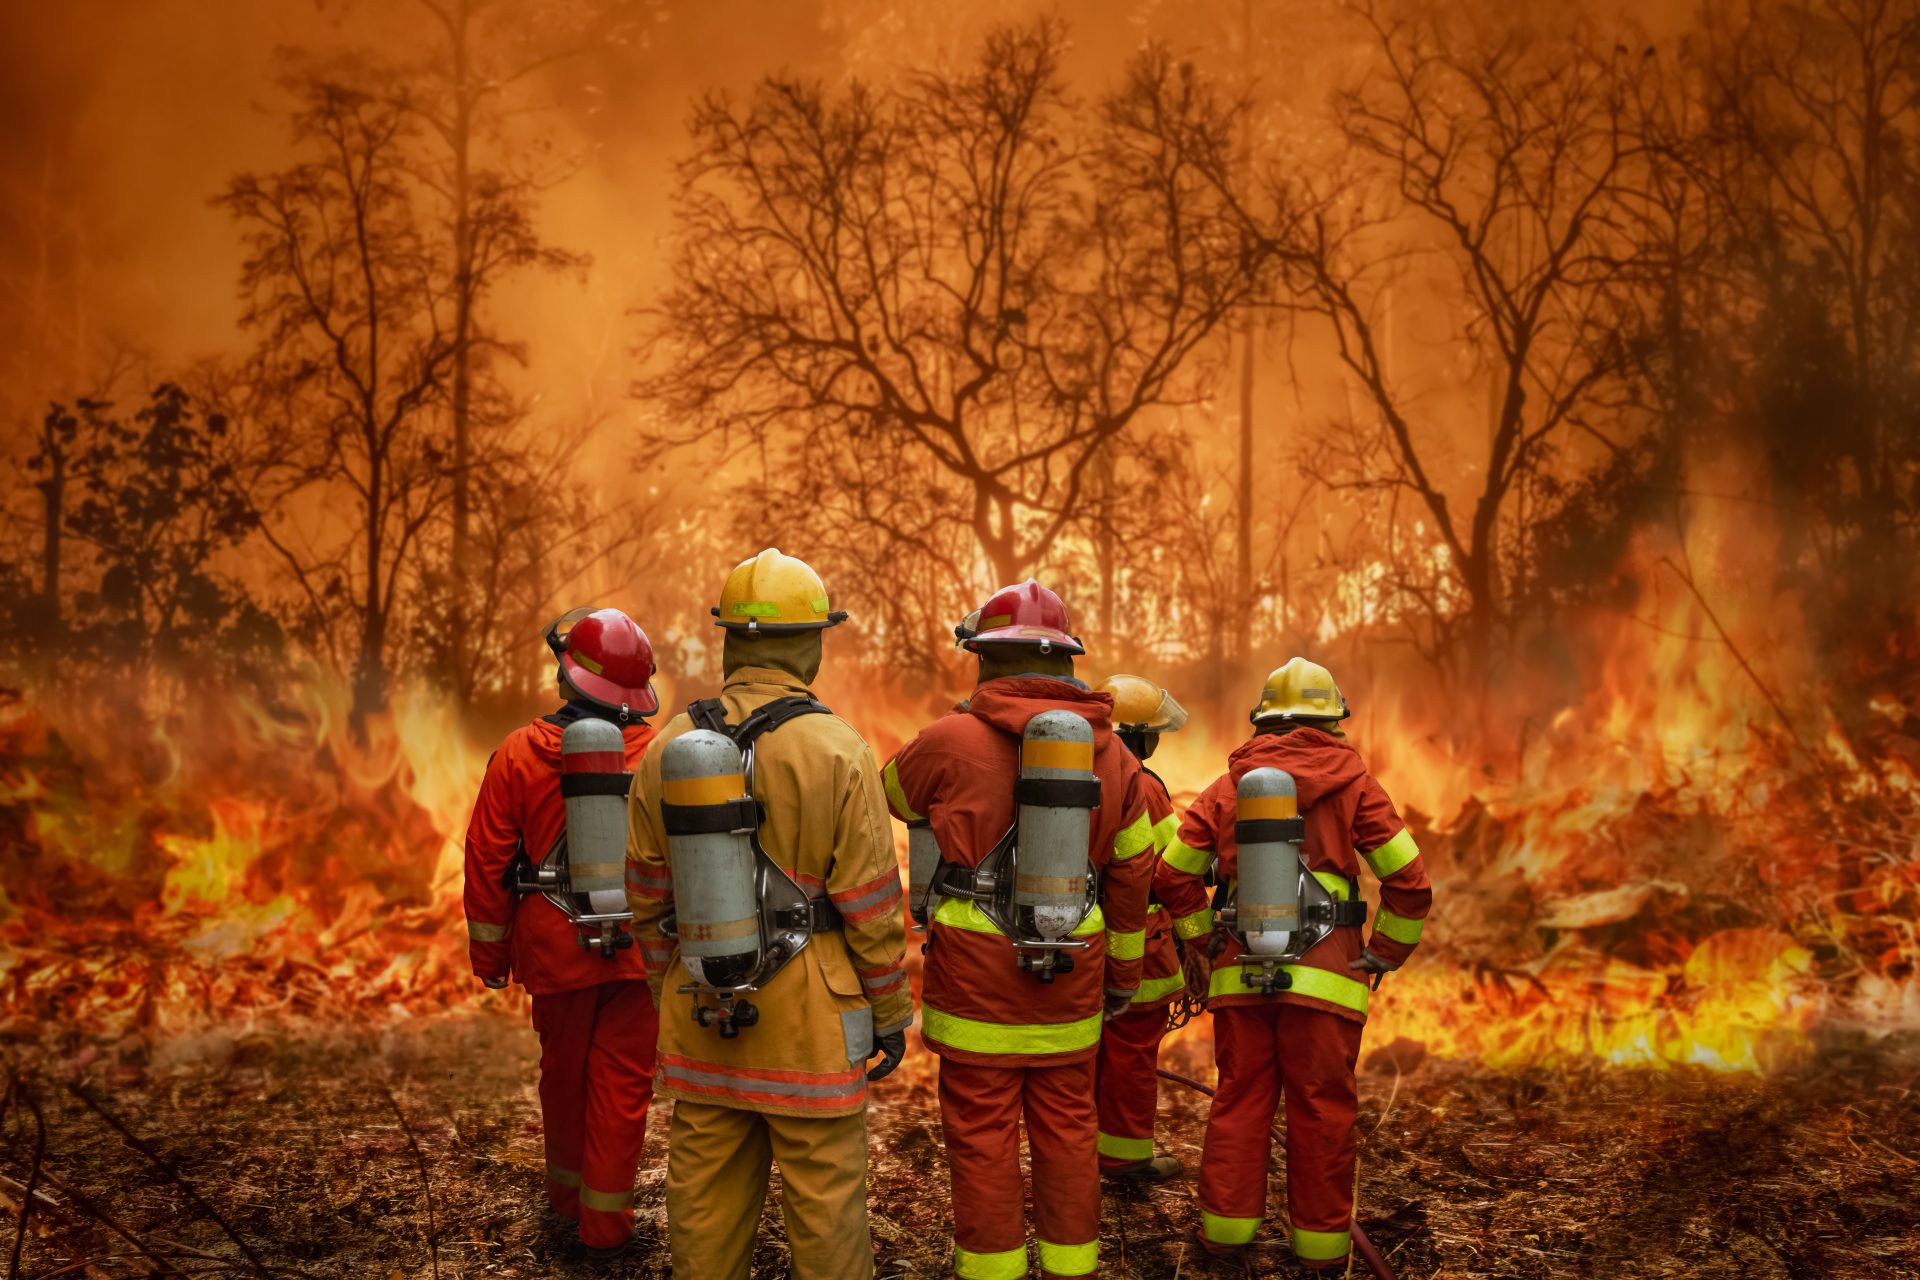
[707,819]
[595,784]
[1263,830]
[1058,793]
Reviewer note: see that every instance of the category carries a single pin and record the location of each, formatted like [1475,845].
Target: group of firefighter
[737,870]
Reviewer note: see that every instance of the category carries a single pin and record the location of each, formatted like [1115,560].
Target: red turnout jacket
[1349,818]
[520,807]
[977,1006]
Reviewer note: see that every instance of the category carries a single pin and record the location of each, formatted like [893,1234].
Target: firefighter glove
[894,1046]
[1372,964]
[1117,1003]
[495,984]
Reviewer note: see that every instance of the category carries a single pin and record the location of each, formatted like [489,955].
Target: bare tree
[1809,155]
[961,288]
[1502,165]
[353,298]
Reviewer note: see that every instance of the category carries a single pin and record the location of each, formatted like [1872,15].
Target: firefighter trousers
[596,1079]
[980,1111]
[1307,1055]
[718,1159]
[1125,1086]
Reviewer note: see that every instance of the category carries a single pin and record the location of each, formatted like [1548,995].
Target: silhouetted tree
[929,307]
[1503,167]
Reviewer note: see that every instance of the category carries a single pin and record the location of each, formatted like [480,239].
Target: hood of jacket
[1319,762]
[1009,702]
[543,735]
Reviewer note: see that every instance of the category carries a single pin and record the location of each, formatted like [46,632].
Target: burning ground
[417,1153]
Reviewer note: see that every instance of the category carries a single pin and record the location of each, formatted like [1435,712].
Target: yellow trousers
[718,1159]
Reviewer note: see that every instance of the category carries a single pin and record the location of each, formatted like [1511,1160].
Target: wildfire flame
[1669,872]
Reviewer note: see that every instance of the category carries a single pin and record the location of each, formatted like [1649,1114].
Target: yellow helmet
[1141,706]
[1301,690]
[775,593]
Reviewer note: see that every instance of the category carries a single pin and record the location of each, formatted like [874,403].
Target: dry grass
[308,1153]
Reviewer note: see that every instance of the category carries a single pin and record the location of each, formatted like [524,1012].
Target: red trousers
[1263,1051]
[980,1111]
[1125,1087]
[596,1079]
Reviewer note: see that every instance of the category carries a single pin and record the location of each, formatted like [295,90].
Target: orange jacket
[520,807]
[1349,817]
[977,1006]
[1178,905]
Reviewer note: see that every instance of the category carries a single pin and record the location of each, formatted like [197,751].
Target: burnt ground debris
[278,1154]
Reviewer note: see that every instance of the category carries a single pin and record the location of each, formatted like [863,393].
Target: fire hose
[1361,1244]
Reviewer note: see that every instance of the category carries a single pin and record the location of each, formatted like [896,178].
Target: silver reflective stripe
[671,1072]
[479,932]
[856,1025]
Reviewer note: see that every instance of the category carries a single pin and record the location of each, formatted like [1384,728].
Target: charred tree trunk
[461,552]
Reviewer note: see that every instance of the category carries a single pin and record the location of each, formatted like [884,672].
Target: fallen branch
[426,1183]
[19,1096]
[187,1188]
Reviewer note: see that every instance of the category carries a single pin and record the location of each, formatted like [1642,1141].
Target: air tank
[708,817]
[1057,794]
[1268,830]
[594,783]
[923,859]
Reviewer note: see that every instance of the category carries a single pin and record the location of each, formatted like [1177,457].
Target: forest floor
[417,1153]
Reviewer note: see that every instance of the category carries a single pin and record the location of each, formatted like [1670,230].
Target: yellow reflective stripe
[995,1037]
[1165,830]
[1399,928]
[563,1177]
[1115,1148]
[478,932]
[1008,1264]
[964,913]
[1195,924]
[1137,836]
[1321,1246]
[1069,1259]
[1155,988]
[1335,884]
[605,1201]
[897,794]
[1349,993]
[1395,854]
[1184,857]
[1227,1230]
[1126,946]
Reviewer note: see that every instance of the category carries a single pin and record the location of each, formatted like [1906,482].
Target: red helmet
[607,658]
[1026,614]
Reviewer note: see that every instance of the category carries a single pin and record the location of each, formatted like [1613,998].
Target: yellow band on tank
[716,788]
[1053,753]
[1267,808]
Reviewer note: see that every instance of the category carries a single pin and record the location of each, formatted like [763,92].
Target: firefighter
[1301,1039]
[1015,1017]
[591,1007]
[788,1083]
[1126,1088]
